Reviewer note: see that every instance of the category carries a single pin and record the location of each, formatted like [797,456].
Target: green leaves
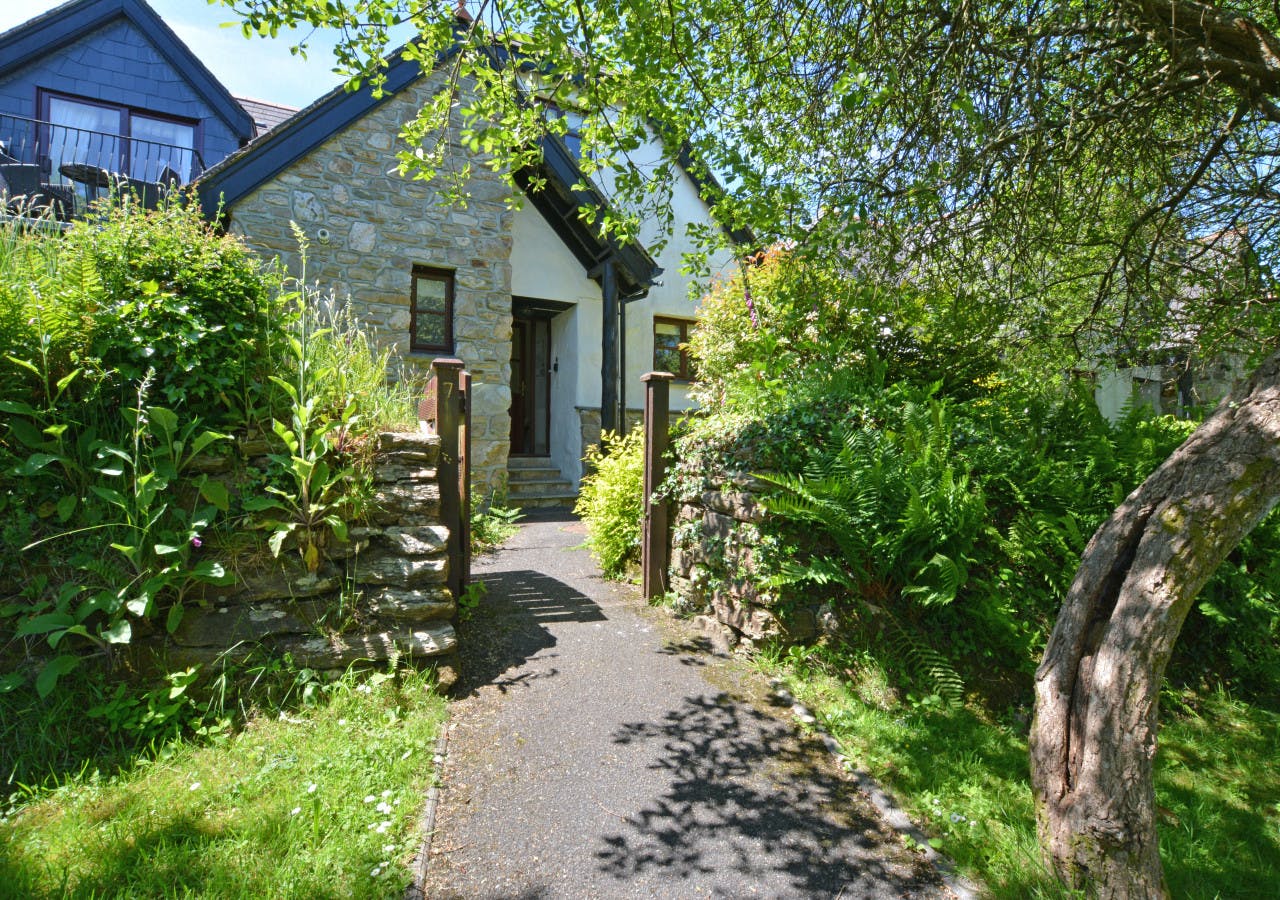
[611,500]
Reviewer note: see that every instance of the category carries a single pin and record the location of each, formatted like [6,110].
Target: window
[670,353]
[142,145]
[573,122]
[431,311]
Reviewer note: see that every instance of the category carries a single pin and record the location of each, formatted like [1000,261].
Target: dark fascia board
[71,21]
[710,189]
[224,184]
[637,270]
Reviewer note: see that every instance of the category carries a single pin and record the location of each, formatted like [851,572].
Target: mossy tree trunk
[1093,742]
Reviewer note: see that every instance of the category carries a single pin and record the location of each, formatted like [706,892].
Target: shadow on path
[735,804]
[509,627]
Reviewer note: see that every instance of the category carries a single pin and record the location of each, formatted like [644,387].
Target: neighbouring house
[96,93]
[555,324]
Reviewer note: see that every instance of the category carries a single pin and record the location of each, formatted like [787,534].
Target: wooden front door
[530,386]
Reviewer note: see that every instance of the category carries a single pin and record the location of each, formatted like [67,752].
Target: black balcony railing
[61,168]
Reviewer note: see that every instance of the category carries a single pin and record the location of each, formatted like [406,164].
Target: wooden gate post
[450,414]
[464,476]
[656,545]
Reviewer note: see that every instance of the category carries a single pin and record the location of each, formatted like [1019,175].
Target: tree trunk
[1093,742]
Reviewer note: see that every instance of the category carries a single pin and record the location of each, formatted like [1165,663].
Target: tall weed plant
[337,391]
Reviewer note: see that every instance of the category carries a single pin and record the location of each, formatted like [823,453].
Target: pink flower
[196,542]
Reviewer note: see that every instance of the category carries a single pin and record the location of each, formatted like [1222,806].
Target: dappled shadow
[745,802]
[695,652]
[508,627]
[540,597]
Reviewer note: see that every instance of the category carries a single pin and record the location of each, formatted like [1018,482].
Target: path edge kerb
[427,823]
[891,813]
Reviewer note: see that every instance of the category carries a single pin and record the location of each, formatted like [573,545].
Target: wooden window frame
[431,273]
[125,132]
[686,363]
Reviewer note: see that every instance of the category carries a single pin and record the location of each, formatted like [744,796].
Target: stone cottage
[555,324]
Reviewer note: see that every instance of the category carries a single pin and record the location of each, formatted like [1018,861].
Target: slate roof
[69,22]
[265,114]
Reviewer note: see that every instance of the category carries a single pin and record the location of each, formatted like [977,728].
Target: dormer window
[143,145]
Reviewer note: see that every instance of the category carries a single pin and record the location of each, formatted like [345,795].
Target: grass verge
[322,802]
[963,776]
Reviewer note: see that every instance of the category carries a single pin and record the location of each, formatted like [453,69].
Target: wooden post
[464,474]
[656,546]
[449,415]
[609,351]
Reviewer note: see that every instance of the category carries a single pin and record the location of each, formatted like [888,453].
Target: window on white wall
[670,347]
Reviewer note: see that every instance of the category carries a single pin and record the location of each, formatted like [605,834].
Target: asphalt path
[599,749]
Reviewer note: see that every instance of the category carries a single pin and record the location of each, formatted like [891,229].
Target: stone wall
[590,423]
[380,225]
[382,594]
[717,538]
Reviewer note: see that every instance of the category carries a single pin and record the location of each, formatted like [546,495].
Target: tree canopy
[1073,159]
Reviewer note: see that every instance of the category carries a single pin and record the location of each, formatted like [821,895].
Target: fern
[925,664]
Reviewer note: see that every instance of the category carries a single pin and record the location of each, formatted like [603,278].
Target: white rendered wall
[566,426]
[671,297]
[1115,390]
[543,268]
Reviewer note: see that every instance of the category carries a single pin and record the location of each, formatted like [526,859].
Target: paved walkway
[599,750]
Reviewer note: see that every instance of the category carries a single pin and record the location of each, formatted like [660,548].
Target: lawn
[318,802]
[963,775]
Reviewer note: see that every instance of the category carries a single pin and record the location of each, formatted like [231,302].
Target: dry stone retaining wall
[716,540]
[380,595]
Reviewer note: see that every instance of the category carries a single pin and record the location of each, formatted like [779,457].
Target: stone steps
[534,483]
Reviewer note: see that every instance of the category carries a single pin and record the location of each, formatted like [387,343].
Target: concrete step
[525,476]
[528,462]
[533,485]
[547,500]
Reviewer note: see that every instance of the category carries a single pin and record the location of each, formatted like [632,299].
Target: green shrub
[790,322]
[611,501]
[175,296]
[995,496]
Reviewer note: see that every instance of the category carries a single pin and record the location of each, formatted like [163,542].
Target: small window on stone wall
[431,311]
[670,353]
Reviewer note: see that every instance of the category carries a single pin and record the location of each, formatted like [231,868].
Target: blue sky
[258,68]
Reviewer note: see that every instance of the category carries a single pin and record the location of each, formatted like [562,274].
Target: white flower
[375,872]
[364,689]
[370,798]
[295,810]
[342,721]
[384,807]
[311,788]
[386,794]
[383,826]
[956,817]
[389,848]
[195,786]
